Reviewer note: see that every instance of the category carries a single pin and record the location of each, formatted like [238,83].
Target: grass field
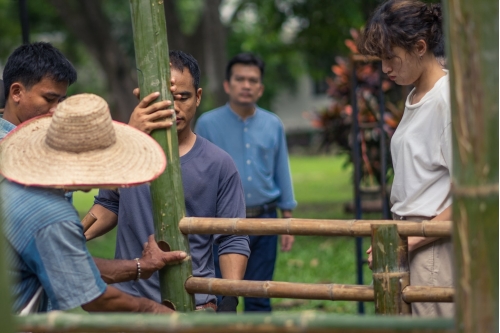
[322,185]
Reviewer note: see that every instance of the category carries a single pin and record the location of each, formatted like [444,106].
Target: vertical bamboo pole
[5,304]
[391,272]
[472,47]
[151,51]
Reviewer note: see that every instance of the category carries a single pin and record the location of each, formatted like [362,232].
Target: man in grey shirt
[212,188]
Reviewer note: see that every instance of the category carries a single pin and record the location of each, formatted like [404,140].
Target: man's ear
[261,90]
[15,91]
[199,92]
[226,86]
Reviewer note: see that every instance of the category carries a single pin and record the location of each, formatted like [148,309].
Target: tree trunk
[167,194]
[472,28]
[208,45]
[87,21]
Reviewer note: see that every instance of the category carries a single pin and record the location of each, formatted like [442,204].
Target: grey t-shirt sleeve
[109,199]
[231,203]
[64,267]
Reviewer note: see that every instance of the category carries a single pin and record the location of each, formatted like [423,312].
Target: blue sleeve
[63,265]
[282,175]
[109,199]
[231,203]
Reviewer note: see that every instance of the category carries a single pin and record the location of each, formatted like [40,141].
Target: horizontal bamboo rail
[306,322]
[428,294]
[308,227]
[271,289]
[333,292]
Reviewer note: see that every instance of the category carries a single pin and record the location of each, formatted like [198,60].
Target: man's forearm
[233,266]
[106,220]
[114,271]
[114,300]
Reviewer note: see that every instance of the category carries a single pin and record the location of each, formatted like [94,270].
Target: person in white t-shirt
[407,35]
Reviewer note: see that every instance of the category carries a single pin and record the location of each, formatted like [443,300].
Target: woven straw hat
[80,147]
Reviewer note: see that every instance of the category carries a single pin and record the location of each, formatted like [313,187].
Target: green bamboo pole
[391,273]
[5,300]
[472,45]
[306,322]
[151,52]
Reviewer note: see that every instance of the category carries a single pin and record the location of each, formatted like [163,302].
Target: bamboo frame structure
[308,227]
[333,292]
[59,322]
[273,289]
[391,272]
[167,193]
[428,294]
[472,44]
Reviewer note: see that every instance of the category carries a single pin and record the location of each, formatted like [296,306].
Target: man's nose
[385,66]
[246,83]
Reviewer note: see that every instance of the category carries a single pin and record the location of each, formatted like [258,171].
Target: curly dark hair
[402,23]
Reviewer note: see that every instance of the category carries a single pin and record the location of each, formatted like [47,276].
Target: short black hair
[181,60]
[30,63]
[245,59]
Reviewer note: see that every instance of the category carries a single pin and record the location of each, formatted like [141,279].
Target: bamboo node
[475,191]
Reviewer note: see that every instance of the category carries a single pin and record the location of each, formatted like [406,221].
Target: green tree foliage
[292,36]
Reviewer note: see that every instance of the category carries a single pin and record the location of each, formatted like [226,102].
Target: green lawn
[322,185]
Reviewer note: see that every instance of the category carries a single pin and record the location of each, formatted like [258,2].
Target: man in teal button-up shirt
[255,139]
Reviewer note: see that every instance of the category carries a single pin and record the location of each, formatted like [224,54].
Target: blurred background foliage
[293,37]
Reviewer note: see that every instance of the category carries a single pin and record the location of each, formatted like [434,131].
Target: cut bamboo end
[428,294]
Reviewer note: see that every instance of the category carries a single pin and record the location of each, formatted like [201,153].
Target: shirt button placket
[248,157]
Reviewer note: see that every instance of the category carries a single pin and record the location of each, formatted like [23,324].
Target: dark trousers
[260,266]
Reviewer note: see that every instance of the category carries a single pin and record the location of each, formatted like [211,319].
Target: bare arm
[416,242]
[114,300]
[153,259]
[287,240]
[106,220]
[233,266]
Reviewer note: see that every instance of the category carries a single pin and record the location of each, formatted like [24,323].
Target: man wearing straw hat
[79,147]
[212,188]
[36,79]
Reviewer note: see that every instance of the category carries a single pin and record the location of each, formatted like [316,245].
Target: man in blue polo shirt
[255,139]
